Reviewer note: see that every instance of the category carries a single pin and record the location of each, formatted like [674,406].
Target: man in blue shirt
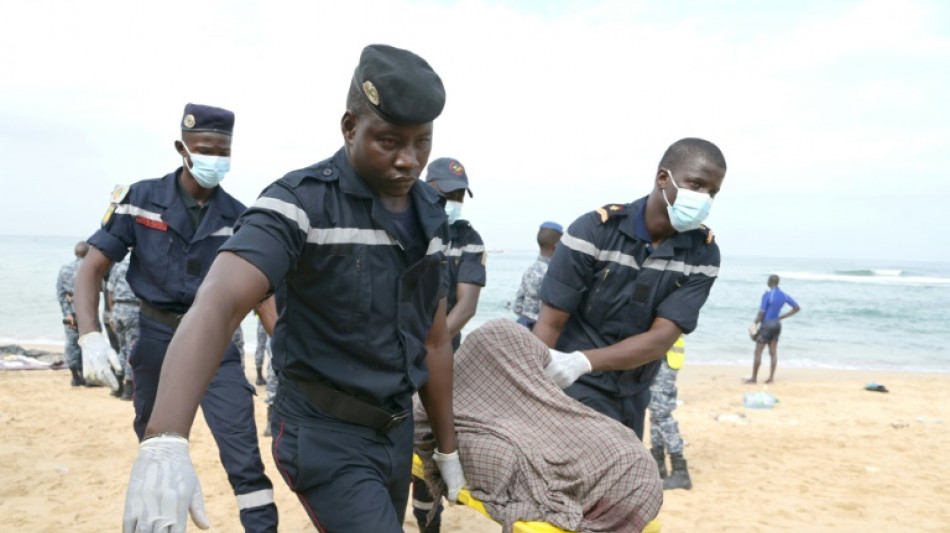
[770,325]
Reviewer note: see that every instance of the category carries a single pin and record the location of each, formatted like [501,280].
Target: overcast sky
[834,117]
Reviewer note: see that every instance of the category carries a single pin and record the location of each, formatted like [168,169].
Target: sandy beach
[830,457]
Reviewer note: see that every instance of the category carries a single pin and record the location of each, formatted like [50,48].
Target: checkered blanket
[530,452]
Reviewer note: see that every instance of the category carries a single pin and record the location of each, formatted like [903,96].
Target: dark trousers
[228,409]
[628,410]
[422,503]
[349,478]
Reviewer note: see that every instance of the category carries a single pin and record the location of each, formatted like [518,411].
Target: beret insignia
[370,91]
[188,122]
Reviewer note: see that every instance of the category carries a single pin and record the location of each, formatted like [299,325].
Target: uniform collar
[175,212]
[429,205]
[635,226]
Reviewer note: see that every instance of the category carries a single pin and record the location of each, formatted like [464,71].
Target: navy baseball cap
[448,175]
[552,225]
[399,86]
[197,117]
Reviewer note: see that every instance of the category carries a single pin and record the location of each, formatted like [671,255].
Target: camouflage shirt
[64,286]
[527,302]
[119,286]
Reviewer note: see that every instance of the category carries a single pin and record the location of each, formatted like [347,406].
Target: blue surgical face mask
[208,170]
[453,210]
[690,208]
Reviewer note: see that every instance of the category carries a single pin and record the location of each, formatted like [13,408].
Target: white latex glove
[450,468]
[98,359]
[565,368]
[163,488]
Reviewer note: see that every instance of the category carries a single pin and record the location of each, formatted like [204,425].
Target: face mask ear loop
[184,160]
[670,174]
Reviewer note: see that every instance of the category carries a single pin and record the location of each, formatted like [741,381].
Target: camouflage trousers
[271,378]
[72,353]
[664,431]
[125,323]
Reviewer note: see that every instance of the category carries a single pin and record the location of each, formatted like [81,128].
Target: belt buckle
[394,421]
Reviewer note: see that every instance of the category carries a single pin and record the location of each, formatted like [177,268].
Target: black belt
[165,317]
[348,408]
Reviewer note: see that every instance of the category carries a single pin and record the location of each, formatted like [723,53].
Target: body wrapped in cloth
[532,453]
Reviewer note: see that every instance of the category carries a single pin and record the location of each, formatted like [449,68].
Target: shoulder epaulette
[610,211]
[119,193]
[320,172]
[708,233]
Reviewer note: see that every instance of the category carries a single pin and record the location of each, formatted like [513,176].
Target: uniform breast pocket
[342,270]
[159,252]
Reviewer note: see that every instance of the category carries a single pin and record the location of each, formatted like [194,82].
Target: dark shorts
[768,332]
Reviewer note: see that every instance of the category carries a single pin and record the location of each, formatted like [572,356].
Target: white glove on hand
[163,488]
[98,359]
[450,468]
[565,368]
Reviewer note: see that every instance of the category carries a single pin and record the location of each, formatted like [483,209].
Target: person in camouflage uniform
[260,352]
[263,349]
[527,303]
[664,430]
[125,323]
[64,293]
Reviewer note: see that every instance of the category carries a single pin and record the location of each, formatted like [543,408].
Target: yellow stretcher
[466,498]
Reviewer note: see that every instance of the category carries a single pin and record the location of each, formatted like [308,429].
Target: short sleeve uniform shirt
[607,275]
[355,305]
[170,255]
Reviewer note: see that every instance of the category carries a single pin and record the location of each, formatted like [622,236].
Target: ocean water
[856,314]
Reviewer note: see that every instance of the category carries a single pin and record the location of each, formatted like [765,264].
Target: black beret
[448,175]
[399,85]
[199,117]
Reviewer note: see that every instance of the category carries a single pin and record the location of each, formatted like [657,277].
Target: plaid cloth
[530,452]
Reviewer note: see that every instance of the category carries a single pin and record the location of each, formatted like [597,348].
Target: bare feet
[750,381]
[770,380]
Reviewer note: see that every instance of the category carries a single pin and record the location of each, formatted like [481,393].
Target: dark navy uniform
[357,296]
[170,258]
[466,263]
[614,284]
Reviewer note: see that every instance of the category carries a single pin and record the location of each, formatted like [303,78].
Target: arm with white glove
[450,468]
[97,354]
[566,368]
[436,396]
[99,360]
[163,488]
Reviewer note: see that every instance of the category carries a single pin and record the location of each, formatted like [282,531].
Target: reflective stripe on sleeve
[289,210]
[467,249]
[129,209]
[257,498]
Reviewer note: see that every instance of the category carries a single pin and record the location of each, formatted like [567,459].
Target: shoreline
[743,370]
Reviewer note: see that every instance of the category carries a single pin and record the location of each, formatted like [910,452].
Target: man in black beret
[354,248]
[174,226]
